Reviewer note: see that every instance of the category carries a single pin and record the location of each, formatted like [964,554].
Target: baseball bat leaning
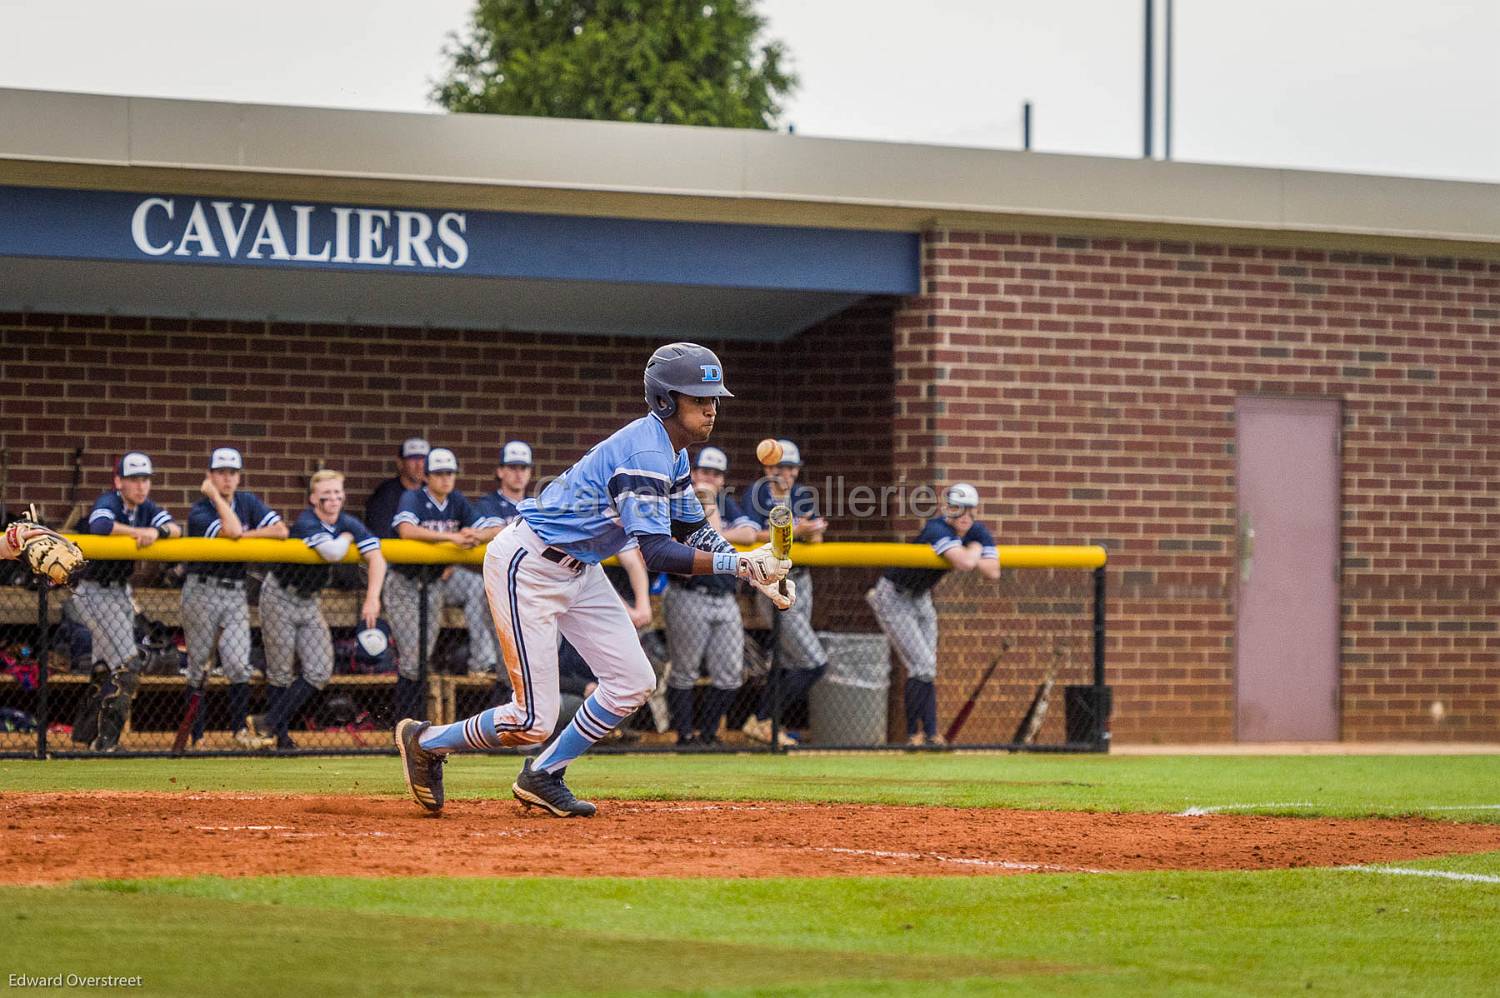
[780,519]
[189,715]
[962,717]
[1031,721]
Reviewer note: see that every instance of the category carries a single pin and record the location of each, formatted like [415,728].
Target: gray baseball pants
[403,601]
[798,646]
[292,629]
[465,588]
[109,614]
[704,630]
[910,624]
[216,619]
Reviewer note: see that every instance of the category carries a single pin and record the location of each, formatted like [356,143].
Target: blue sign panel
[187,229]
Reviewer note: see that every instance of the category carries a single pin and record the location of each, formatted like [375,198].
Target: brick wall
[288,395]
[1087,385]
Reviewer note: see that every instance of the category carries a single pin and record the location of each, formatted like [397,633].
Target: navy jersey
[631,483]
[731,515]
[380,510]
[309,579]
[987,547]
[939,533]
[420,509]
[203,521]
[760,501]
[497,505]
[109,509]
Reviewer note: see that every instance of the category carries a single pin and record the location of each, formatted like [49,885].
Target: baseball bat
[189,715]
[1031,721]
[780,519]
[74,511]
[962,717]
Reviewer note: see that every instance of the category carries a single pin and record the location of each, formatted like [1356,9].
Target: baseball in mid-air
[768,451]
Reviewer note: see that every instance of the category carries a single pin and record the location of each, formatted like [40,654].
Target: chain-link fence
[153,657]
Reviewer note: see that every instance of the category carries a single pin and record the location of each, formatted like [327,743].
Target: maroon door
[1287,573]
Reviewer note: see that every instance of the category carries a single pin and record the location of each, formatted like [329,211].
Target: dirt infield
[59,837]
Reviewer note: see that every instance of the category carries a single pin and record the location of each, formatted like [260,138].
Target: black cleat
[548,791]
[424,769]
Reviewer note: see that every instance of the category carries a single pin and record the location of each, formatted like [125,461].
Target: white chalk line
[1401,871]
[1197,812]
[1000,864]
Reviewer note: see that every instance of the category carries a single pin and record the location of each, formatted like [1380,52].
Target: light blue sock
[591,723]
[476,733]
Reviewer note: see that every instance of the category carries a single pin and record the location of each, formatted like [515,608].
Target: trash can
[848,707]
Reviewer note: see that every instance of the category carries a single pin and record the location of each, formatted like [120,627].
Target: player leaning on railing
[902,601]
[542,576]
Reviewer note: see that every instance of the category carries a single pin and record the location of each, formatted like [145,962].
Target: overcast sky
[1370,86]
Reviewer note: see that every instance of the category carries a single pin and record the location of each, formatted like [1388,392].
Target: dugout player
[105,604]
[543,577]
[411,472]
[702,614]
[434,512]
[291,618]
[801,660]
[902,601]
[215,612]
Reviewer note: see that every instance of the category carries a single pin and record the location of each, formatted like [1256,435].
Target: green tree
[680,62]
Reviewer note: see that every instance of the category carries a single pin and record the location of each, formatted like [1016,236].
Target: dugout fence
[216,634]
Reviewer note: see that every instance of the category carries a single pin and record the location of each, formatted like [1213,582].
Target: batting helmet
[962,494]
[685,368]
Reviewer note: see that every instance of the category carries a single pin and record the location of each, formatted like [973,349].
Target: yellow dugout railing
[827,555]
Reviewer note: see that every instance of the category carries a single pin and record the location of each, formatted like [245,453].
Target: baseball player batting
[542,577]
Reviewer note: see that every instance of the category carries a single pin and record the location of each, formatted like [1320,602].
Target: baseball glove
[46,552]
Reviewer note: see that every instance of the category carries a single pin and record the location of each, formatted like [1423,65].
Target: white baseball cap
[414,447]
[441,459]
[132,465]
[225,457]
[962,494]
[713,459]
[516,452]
[372,641]
[789,454]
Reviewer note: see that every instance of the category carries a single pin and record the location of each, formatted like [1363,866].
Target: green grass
[1321,931]
[1435,786]
[1318,931]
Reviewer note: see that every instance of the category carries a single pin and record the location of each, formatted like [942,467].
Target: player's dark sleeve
[699,535]
[201,518]
[155,515]
[102,518]
[263,515]
[666,554]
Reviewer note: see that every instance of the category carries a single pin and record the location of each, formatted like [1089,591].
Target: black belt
[220,581]
[561,557]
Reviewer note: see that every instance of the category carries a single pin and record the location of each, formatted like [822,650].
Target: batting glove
[761,566]
[774,594]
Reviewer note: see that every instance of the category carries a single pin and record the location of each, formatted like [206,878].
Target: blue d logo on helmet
[684,368]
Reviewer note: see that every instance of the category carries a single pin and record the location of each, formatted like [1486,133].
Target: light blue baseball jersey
[630,483]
